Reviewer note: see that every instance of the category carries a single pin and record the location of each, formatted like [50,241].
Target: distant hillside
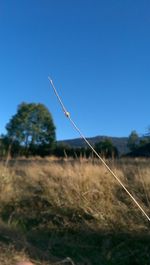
[119,142]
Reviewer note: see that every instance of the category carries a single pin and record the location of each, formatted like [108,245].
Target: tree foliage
[133,140]
[106,148]
[33,128]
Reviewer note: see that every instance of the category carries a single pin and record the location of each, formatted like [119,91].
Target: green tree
[146,137]
[62,150]
[106,148]
[3,146]
[33,128]
[133,140]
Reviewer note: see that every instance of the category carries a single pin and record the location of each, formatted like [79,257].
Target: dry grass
[51,209]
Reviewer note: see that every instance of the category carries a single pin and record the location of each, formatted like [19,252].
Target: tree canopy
[106,148]
[133,140]
[33,128]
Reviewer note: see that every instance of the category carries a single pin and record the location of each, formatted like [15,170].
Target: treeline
[31,132]
[105,148]
[139,146]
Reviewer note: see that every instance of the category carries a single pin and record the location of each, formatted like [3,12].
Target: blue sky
[96,51]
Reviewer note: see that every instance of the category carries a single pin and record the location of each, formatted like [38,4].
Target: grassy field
[52,209]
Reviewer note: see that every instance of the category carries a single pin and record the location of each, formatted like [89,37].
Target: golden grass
[38,193]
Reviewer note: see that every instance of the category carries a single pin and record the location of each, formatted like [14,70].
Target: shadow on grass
[49,233]
[84,245]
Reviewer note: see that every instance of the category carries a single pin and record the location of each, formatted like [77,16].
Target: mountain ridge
[119,142]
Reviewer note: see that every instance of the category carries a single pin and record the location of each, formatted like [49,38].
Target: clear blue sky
[97,53]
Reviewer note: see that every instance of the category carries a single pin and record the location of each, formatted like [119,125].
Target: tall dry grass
[47,195]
